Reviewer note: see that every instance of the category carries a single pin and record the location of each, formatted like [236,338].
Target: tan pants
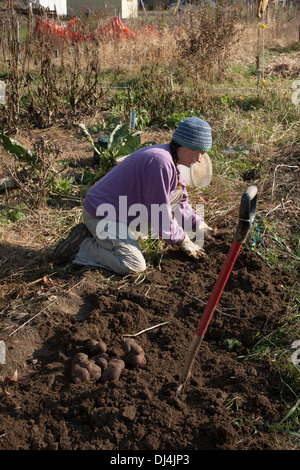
[121,255]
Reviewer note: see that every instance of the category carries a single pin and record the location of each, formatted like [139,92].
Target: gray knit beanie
[193,133]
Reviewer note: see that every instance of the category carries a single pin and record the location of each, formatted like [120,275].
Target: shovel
[246,218]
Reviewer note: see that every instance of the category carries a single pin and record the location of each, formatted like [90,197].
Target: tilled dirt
[228,402]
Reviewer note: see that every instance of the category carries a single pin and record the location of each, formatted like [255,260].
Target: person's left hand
[191,249]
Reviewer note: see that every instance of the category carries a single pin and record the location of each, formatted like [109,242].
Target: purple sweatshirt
[147,177]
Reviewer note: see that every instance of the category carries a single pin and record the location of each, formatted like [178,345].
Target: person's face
[188,157]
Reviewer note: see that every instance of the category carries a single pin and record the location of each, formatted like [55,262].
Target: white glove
[208,231]
[191,249]
[203,231]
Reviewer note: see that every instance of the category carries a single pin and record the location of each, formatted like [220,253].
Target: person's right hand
[191,249]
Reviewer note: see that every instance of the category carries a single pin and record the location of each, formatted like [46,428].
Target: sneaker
[67,249]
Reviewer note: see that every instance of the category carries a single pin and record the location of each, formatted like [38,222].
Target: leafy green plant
[62,185]
[14,148]
[173,120]
[38,168]
[11,215]
[142,119]
[232,344]
[226,101]
[153,250]
[120,142]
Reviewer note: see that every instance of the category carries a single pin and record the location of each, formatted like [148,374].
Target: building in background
[59,5]
[120,8]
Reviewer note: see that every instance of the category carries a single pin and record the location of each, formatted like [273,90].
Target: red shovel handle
[218,288]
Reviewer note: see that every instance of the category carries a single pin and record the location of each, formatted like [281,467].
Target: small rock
[2,353]
[20,315]
[129,412]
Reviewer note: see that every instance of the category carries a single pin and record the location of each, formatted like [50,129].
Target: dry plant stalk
[15,60]
[210,34]
[13,90]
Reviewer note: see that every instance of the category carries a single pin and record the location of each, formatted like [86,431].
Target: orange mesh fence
[114,29]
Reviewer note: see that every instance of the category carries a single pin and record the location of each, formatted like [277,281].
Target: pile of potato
[103,367]
[134,354]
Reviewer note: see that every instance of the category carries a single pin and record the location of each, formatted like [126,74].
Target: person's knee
[140,266]
[136,264]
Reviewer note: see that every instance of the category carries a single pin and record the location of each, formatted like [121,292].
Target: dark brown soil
[228,402]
